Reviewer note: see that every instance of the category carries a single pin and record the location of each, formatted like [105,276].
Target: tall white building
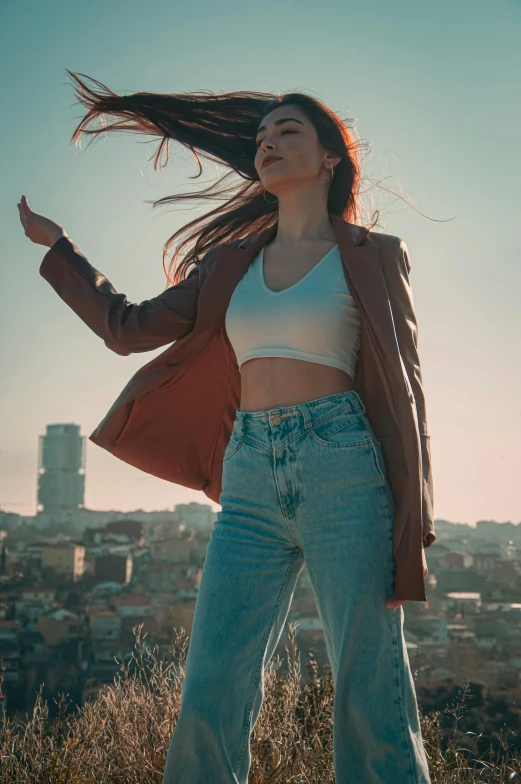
[61,469]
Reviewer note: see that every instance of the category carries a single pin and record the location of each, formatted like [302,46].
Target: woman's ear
[332,160]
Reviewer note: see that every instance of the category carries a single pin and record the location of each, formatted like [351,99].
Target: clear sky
[435,90]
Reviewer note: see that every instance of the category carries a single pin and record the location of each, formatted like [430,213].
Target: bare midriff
[272,382]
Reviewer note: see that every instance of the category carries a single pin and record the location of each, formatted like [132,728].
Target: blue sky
[432,87]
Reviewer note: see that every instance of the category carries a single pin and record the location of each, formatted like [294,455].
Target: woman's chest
[283,270]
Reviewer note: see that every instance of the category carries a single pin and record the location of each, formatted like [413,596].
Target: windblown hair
[222,127]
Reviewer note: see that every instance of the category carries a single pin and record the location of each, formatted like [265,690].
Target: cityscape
[75,582]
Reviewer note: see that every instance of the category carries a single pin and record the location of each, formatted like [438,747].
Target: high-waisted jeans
[303,483]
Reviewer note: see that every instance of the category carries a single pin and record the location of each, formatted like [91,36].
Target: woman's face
[295,142]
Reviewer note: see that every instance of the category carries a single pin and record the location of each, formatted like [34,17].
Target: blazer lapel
[231,263]
[228,268]
[366,283]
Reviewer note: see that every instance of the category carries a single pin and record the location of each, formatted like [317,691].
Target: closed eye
[286,130]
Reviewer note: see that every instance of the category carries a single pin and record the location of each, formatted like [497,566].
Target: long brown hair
[222,127]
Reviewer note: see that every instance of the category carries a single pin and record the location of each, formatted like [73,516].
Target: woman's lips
[272,160]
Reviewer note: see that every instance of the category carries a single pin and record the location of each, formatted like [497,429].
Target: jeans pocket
[344,431]
[233,445]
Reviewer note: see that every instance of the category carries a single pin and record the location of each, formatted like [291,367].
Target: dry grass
[123,734]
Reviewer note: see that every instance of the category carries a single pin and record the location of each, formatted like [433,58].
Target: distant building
[61,465]
[60,626]
[66,560]
[113,567]
[42,595]
[460,632]
[458,560]
[134,529]
[10,654]
[9,631]
[167,576]
[309,623]
[33,602]
[105,625]
[176,549]
[199,517]
[103,590]
[122,531]
[487,562]
[463,601]
[430,674]
[138,605]
[428,630]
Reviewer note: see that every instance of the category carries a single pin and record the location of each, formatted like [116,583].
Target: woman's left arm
[396,268]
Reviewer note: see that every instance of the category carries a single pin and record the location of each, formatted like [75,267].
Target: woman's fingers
[24,210]
[25,205]
[21,214]
[26,214]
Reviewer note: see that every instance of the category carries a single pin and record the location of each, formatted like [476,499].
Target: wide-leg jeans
[301,484]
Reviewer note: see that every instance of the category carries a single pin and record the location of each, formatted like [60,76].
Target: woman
[292,395]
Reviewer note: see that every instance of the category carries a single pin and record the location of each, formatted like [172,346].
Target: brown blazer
[174,417]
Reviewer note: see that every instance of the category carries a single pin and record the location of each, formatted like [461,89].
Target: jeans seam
[282,505]
[285,444]
[233,451]
[399,665]
[376,458]
[342,446]
[386,486]
[288,523]
[249,441]
[256,675]
[332,414]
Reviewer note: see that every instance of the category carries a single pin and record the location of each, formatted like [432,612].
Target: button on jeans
[301,484]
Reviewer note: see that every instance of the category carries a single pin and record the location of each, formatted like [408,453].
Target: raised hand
[38,228]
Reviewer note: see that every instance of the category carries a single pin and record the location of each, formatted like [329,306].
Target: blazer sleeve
[396,269]
[125,327]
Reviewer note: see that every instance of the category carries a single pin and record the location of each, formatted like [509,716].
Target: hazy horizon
[431,88]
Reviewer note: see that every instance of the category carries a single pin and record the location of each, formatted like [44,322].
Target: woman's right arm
[125,327]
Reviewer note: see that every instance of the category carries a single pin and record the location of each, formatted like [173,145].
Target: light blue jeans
[303,483]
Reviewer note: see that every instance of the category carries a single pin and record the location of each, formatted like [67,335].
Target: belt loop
[308,422]
[238,423]
[360,402]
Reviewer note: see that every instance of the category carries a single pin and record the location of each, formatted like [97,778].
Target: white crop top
[315,320]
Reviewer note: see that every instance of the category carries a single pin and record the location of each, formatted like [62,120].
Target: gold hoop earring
[269,202]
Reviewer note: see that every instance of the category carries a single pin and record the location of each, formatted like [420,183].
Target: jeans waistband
[306,415]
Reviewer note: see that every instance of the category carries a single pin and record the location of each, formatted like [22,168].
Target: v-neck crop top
[315,320]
